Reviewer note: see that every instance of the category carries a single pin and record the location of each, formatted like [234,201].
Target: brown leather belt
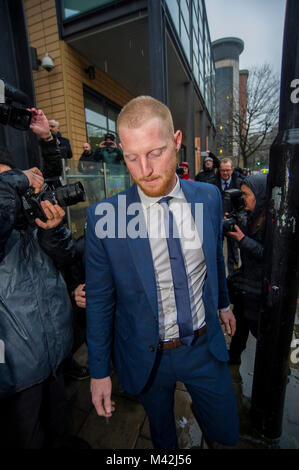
[176,342]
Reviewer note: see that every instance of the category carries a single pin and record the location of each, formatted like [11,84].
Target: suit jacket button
[151,348]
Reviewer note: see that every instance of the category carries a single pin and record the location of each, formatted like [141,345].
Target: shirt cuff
[226,309]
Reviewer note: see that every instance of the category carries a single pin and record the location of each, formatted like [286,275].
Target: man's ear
[178,140]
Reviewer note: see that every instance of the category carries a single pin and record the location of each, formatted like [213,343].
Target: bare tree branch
[249,124]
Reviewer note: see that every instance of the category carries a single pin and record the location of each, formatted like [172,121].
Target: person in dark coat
[86,160]
[108,151]
[245,284]
[228,178]
[63,142]
[35,310]
[209,168]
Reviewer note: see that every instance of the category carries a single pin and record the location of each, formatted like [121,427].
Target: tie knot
[164,199]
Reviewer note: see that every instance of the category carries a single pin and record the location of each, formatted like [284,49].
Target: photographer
[245,284]
[108,151]
[35,311]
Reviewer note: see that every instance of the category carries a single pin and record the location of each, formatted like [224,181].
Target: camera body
[108,144]
[14,115]
[67,195]
[179,170]
[233,204]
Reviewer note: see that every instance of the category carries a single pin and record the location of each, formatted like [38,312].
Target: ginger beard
[158,185]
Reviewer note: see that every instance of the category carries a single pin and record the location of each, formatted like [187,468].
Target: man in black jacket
[35,310]
[63,142]
[228,178]
[209,168]
[245,284]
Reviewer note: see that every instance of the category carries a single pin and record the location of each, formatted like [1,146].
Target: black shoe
[234,359]
[77,372]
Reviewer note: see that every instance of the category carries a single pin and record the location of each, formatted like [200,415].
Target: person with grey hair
[63,142]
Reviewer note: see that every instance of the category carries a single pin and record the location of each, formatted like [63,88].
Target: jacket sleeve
[58,244]
[252,247]
[100,302]
[51,158]
[12,184]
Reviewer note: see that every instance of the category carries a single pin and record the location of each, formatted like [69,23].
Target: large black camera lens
[70,194]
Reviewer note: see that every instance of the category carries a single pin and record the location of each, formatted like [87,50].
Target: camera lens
[70,194]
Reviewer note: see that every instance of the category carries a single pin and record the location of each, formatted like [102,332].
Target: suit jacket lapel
[141,254]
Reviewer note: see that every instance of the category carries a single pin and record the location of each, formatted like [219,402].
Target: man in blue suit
[154,284]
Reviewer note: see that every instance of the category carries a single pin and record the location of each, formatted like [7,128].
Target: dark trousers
[209,384]
[35,418]
[244,325]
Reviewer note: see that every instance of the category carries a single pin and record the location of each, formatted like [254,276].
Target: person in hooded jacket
[186,170]
[35,310]
[245,284]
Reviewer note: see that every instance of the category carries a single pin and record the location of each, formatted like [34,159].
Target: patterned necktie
[225,186]
[179,275]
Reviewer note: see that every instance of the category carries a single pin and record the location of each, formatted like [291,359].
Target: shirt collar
[148,201]
[226,182]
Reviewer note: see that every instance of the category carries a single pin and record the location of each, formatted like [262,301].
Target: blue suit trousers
[209,385]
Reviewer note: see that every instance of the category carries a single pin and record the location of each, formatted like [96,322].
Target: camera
[14,115]
[179,170]
[47,62]
[67,195]
[108,144]
[233,204]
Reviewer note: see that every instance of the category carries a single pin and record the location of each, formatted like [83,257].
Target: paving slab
[121,431]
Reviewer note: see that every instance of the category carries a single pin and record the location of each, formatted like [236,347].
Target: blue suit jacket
[122,307]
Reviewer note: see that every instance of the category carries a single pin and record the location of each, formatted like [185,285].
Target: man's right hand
[101,396]
[80,296]
[35,178]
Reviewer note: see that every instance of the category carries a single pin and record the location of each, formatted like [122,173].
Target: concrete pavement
[128,427]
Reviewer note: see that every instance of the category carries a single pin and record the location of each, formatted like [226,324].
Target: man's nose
[146,167]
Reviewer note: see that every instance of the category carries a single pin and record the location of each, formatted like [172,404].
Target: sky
[259,23]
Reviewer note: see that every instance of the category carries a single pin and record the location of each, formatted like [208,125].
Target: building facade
[106,52]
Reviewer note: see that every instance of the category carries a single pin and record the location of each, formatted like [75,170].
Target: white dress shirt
[193,256]
[224,183]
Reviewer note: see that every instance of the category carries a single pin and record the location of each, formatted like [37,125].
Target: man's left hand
[237,235]
[229,321]
[53,213]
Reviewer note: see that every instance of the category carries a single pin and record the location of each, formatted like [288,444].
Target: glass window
[195,67]
[200,63]
[76,7]
[185,13]
[195,42]
[185,40]
[200,7]
[100,116]
[174,12]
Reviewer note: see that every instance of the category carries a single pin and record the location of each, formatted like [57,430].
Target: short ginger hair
[140,110]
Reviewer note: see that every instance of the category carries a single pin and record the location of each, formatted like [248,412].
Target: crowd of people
[152,307]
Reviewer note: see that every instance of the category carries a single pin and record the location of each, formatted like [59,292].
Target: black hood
[258,185]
